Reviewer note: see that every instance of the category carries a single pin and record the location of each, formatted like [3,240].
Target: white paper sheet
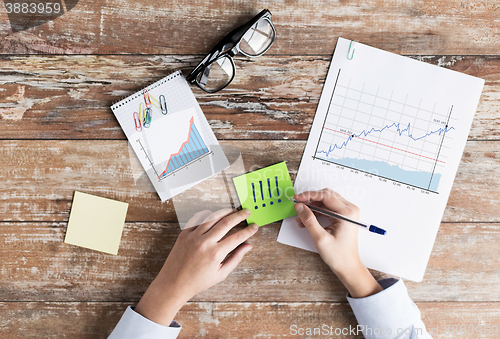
[388,135]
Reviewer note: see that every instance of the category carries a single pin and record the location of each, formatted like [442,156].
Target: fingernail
[255,226]
[299,208]
[247,250]
[247,211]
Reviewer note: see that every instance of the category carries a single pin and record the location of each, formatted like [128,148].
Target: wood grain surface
[58,135]
[304,27]
[40,177]
[271,97]
[271,271]
[234,320]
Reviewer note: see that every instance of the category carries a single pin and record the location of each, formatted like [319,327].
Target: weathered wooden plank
[77,32]
[193,27]
[39,178]
[233,320]
[68,97]
[38,266]
[199,320]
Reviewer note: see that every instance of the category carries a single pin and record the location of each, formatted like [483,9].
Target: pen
[371,228]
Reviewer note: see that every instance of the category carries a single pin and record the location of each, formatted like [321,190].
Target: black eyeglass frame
[229,47]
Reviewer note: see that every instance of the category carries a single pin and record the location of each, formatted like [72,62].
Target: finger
[233,260]
[320,196]
[299,222]
[316,214]
[212,219]
[197,219]
[301,225]
[331,200]
[310,222]
[236,239]
[224,225]
[353,210]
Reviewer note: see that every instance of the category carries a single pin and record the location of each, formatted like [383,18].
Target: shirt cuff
[389,313]
[133,325]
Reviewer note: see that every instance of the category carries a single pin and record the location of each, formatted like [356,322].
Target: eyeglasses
[217,69]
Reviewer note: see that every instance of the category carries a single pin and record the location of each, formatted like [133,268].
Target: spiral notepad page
[170,135]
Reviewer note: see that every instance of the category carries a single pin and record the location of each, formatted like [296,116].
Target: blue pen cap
[377,230]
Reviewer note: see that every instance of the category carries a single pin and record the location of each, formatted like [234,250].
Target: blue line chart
[427,180]
[399,130]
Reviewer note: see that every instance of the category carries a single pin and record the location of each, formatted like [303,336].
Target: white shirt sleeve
[132,325]
[389,314]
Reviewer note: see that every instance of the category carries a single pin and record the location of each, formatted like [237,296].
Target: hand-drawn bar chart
[191,149]
[274,192]
[266,192]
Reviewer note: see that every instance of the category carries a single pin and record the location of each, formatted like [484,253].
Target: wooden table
[58,135]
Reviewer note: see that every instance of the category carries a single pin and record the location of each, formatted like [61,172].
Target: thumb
[310,222]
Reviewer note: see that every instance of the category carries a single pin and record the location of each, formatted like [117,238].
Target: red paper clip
[147,98]
[137,121]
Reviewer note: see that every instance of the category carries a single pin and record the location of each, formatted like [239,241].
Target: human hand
[337,244]
[199,259]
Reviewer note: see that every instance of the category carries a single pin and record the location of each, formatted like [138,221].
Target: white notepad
[388,135]
[170,135]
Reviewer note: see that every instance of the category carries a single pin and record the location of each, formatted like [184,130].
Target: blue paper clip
[146,119]
[163,105]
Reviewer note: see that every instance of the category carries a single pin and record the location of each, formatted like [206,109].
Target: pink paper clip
[147,98]
[137,121]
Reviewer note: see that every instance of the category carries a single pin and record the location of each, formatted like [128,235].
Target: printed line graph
[384,133]
[190,150]
[398,130]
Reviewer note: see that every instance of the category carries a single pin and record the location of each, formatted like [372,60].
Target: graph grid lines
[385,133]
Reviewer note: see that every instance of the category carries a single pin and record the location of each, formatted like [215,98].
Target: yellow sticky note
[96,223]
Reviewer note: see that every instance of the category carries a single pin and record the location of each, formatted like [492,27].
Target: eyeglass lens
[216,75]
[258,38]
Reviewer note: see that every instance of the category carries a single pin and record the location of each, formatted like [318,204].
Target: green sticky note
[265,193]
